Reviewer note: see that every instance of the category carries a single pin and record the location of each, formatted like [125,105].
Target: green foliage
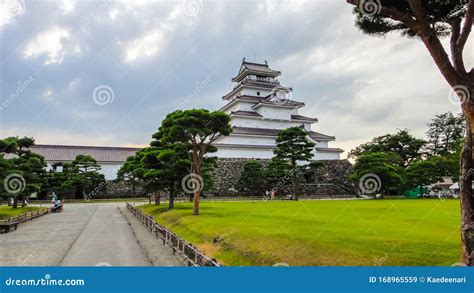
[82,176]
[132,171]
[391,175]
[293,146]
[178,148]
[401,147]
[252,179]
[445,134]
[439,14]
[193,132]
[424,172]
[16,159]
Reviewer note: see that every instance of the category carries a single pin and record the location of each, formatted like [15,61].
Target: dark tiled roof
[251,67]
[329,150]
[280,102]
[68,153]
[274,132]
[255,131]
[299,117]
[319,136]
[245,113]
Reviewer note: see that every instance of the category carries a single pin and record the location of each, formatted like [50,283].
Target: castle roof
[262,69]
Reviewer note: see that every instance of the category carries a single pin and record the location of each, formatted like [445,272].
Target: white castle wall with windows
[259,106]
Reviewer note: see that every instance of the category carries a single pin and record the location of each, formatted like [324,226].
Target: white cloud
[55,43]
[47,95]
[152,42]
[145,46]
[67,6]
[9,9]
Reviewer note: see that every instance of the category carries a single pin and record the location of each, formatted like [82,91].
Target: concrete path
[82,235]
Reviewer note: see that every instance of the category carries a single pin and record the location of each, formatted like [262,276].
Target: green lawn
[321,233]
[7,212]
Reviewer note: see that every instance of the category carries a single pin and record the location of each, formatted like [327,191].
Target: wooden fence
[26,216]
[193,256]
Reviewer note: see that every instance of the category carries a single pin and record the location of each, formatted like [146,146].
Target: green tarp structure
[413,193]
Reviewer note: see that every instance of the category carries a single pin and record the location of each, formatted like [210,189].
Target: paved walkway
[82,235]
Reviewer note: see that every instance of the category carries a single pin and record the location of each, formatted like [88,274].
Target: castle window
[258,93]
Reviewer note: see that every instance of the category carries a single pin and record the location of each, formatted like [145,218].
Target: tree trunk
[197,192]
[15,202]
[171,203]
[467,217]
[196,202]
[295,180]
[157,198]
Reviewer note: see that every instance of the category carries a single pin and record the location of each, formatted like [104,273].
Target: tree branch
[433,44]
[456,50]
[467,27]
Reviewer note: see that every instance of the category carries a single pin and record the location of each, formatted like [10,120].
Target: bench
[6,226]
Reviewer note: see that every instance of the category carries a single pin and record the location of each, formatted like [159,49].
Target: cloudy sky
[106,72]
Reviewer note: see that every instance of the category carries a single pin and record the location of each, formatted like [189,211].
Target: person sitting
[58,206]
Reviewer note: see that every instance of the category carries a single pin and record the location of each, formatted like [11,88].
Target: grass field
[321,233]
[7,212]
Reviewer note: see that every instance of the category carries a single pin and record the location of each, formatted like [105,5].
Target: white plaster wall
[273,112]
[326,156]
[322,144]
[243,153]
[254,92]
[108,169]
[265,123]
[247,140]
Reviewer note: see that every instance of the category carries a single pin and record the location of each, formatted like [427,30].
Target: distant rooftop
[63,153]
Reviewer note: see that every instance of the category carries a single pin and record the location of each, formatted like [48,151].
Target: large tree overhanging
[431,20]
[195,130]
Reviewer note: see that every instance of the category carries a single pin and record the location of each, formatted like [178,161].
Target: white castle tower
[259,107]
